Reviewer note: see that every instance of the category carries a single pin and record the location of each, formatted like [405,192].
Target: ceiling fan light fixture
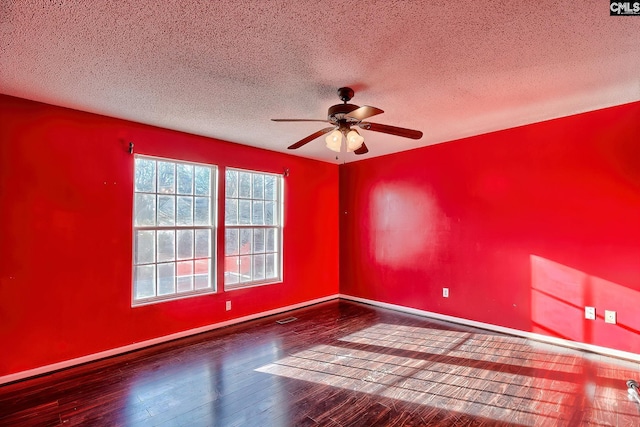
[342,117]
[334,141]
[354,140]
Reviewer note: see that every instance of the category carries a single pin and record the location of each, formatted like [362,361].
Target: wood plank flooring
[339,364]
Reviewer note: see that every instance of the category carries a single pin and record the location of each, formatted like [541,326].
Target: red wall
[66,238]
[525,226]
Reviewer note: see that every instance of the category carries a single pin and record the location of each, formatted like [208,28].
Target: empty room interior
[278,213]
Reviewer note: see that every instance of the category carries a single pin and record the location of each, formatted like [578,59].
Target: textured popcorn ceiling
[223,68]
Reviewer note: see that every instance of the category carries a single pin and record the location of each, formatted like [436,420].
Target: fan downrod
[345,94]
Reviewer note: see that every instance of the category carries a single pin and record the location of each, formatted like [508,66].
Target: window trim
[279,227]
[213,243]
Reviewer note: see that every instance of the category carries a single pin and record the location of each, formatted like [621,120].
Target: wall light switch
[610,317]
[445,292]
[590,313]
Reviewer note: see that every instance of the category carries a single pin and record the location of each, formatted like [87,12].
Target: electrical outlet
[228,305]
[590,313]
[445,292]
[610,317]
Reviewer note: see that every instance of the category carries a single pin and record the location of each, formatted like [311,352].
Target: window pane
[185,244]
[202,274]
[258,186]
[270,269]
[203,243]
[203,181]
[166,210]
[166,245]
[145,210]
[270,187]
[244,211]
[270,240]
[145,247]
[166,178]
[166,278]
[231,241]
[185,211]
[258,267]
[185,179]
[231,183]
[231,211]
[185,276]
[257,213]
[258,240]
[145,281]
[269,214]
[201,212]
[244,185]
[245,241]
[245,268]
[231,270]
[145,175]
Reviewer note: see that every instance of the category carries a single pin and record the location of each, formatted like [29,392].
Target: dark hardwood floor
[339,364]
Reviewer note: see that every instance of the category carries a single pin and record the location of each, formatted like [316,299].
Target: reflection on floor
[339,364]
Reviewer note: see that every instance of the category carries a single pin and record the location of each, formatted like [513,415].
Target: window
[173,229]
[253,228]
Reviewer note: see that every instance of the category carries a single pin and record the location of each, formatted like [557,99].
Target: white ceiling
[223,68]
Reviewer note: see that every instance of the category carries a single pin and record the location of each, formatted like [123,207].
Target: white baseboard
[139,345]
[530,335]
[136,346]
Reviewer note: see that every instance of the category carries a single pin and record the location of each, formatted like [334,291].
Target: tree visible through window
[173,229]
[253,228]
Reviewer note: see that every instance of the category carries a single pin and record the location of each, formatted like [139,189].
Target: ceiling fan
[345,116]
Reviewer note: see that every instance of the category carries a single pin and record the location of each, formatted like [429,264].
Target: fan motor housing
[337,112]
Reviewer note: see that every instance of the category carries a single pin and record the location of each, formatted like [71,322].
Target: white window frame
[194,278]
[239,255]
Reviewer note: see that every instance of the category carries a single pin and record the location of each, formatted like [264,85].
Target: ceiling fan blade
[300,120]
[392,130]
[362,150]
[364,112]
[310,138]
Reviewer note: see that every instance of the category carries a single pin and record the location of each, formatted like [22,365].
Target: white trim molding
[142,344]
[488,326]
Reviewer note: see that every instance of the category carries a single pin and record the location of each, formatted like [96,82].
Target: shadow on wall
[559,295]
